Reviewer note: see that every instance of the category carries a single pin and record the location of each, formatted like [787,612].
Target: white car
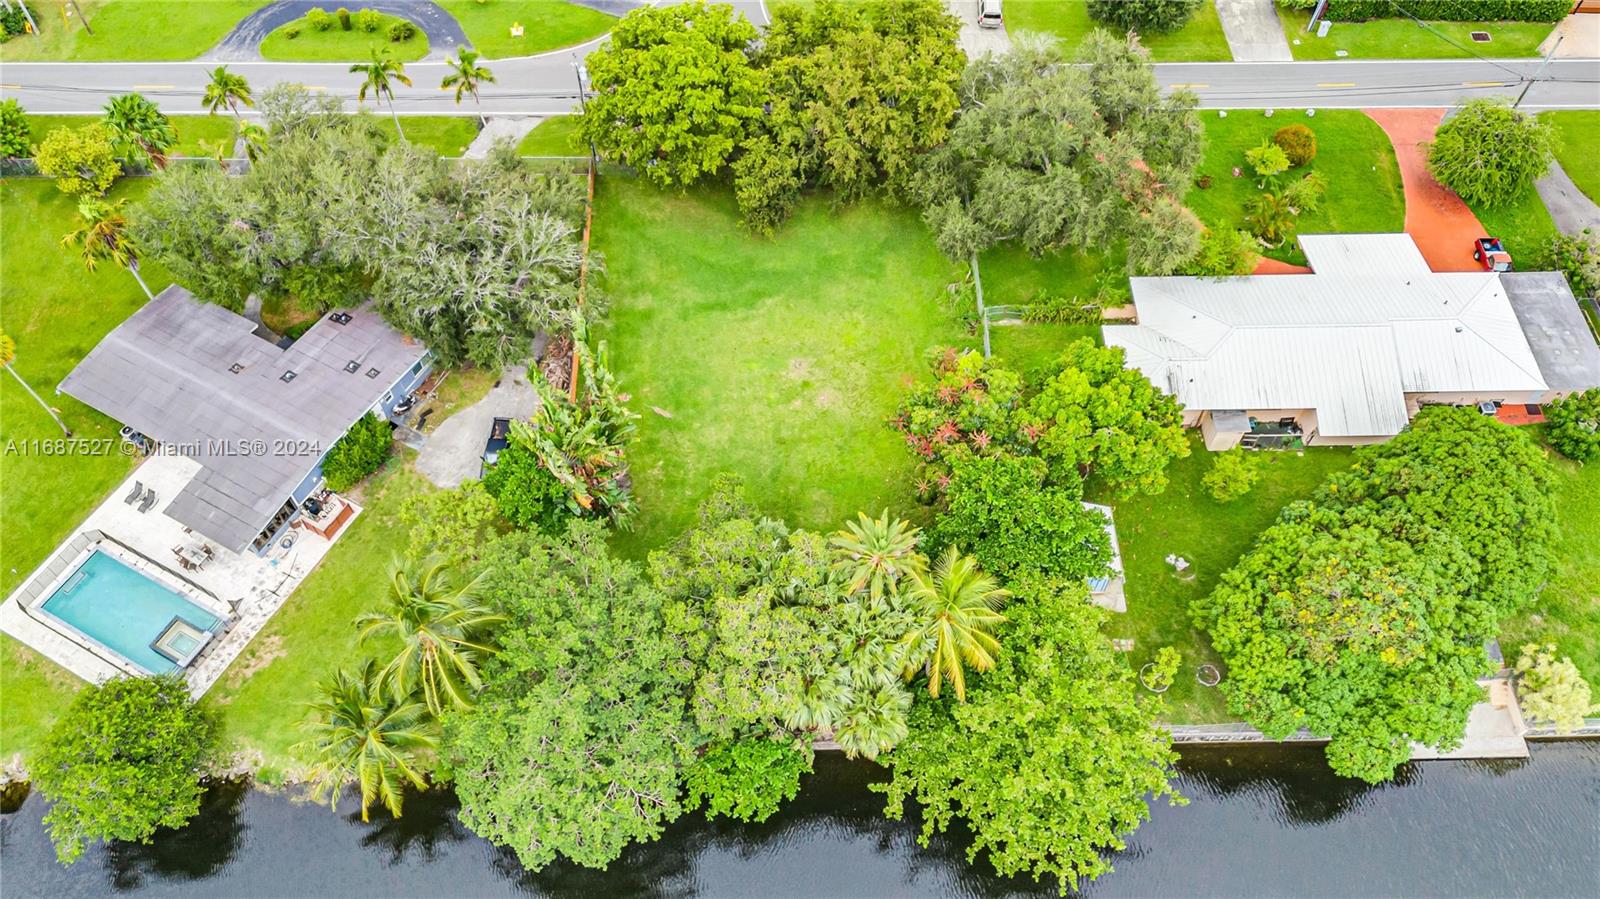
[989,14]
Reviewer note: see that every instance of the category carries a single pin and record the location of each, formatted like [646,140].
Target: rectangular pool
[129,613]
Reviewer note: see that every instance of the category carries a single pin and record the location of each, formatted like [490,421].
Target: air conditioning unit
[1487,407]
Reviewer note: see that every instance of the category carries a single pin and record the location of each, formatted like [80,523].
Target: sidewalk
[1571,210]
[1253,31]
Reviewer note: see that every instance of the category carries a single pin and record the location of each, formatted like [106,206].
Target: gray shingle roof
[1554,326]
[167,372]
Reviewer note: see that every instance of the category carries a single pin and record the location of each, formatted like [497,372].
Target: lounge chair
[133,495]
[149,500]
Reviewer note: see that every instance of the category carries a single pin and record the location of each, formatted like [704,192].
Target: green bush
[1268,160]
[1490,153]
[1145,16]
[402,31]
[358,453]
[344,18]
[1305,194]
[1575,255]
[14,130]
[1574,425]
[1298,142]
[369,20]
[12,22]
[292,32]
[528,495]
[1224,252]
[1233,474]
[82,160]
[319,19]
[1444,10]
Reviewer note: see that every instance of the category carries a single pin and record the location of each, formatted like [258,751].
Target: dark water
[1261,822]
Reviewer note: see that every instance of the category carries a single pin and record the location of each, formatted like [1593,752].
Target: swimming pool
[129,613]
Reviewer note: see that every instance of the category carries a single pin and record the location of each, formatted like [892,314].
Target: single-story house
[1348,353]
[259,414]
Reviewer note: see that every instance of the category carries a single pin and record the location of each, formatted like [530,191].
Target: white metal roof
[1350,340]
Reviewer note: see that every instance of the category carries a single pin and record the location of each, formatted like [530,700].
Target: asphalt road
[547,84]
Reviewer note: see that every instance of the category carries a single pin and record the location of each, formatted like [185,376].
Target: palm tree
[255,141]
[876,554]
[1270,217]
[466,76]
[361,735]
[441,626]
[873,720]
[957,604]
[8,354]
[140,129]
[104,235]
[380,75]
[226,89]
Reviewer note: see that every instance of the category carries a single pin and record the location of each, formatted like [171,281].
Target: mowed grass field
[1403,38]
[127,30]
[1201,40]
[776,359]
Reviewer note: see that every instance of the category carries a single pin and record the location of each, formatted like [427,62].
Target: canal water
[1269,821]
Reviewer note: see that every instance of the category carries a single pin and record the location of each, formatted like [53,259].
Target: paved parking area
[974,40]
[454,452]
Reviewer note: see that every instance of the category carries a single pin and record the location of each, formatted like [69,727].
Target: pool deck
[255,587]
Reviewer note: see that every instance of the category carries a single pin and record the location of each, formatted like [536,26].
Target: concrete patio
[254,587]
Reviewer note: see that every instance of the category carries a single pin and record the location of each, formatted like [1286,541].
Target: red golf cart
[1491,254]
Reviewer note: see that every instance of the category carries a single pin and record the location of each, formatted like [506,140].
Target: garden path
[498,128]
[1571,210]
[244,41]
[1436,218]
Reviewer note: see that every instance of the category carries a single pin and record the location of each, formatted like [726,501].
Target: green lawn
[1354,155]
[56,311]
[444,134]
[1567,613]
[1201,40]
[1030,348]
[264,693]
[555,136]
[128,29]
[1405,39]
[193,130]
[778,359]
[1577,140]
[1522,225]
[1185,520]
[338,45]
[547,25]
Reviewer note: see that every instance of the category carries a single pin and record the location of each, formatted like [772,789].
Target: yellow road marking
[1191,86]
[1337,84]
[1483,84]
[315,87]
[154,87]
[10,87]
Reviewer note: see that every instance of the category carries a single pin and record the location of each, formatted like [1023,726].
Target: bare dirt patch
[262,652]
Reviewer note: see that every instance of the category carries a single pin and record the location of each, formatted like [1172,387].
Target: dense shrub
[1490,153]
[1268,160]
[1552,690]
[12,21]
[1224,252]
[1145,16]
[358,453]
[1233,473]
[344,18]
[14,130]
[292,32]
[1444,10]
[1575,425]
[1575,255]
[369,20]
[402,31]
[1298,142]
[319,19]
[82,160]
[528,495]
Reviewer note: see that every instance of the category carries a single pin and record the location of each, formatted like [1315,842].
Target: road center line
[1336,84]
[155,87]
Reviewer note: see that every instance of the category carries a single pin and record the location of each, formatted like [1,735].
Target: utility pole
[1536,75]
[83,18]
[983,314]
[581,72]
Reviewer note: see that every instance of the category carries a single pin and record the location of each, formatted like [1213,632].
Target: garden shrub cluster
[369,20]
[359,453]
[1298,142]
[1490,153]
[1573,424]
[319,19]
[15,132]
[1145,16]
[1443,10]
[1233,474]
[402,31]
[12,20]
[1577,256]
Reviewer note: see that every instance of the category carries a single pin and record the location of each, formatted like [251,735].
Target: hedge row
[1443,10]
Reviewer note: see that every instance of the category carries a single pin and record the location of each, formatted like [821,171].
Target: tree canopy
[1490,153]
[124,759]
[1052,757]
[1000,509]
[1145,16]
[1055,156]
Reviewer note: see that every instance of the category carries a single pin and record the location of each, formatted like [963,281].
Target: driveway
[1438,220]
[1253,31]
[244,41]
[1571,210]
[974,40]
[454,452]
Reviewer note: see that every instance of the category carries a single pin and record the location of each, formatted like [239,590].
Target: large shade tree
[1490,153]
[1054,156]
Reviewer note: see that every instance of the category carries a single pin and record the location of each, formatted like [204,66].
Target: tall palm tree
[104,235]
[8,354]
[226,89]
[442,628]
[873,720]
[958,606]
[466,76]
[380,75]
[876,553]
[140,129]
[255,141]
[362,735]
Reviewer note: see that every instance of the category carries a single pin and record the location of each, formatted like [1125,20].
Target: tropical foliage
[525,491]
[1574,425]
[379,75]
[141,133]
[123,760]
[958,607]
[1224,252]
[1055,156]
[82,160]
[1052,758]
[1551,690]
[747,780]
[581,445]
[1490,153]
[1362,613]
[1233,473]
[225,89]
[14,130]
[1575,255]
[360,452]
[1001,509]
[361,734]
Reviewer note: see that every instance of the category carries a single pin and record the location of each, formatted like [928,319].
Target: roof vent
[1459,329]
[340,318]
[352,366]
[372,372]
[287,376]
[236,367]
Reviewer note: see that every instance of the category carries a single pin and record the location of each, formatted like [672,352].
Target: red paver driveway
[1438,220]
